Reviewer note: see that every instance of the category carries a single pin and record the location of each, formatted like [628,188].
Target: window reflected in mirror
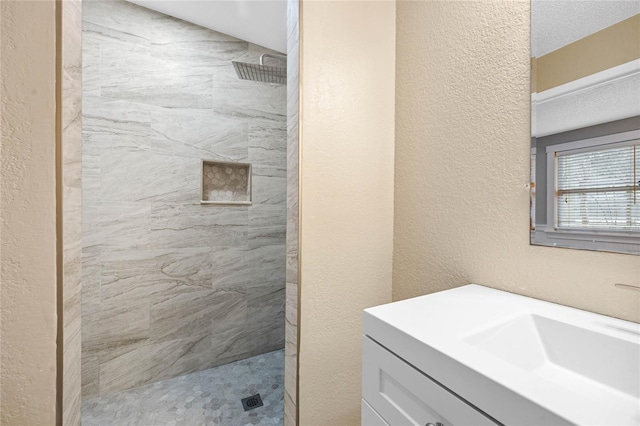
[585,124]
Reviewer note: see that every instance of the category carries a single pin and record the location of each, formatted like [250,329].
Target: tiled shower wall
[171,286]
[71,201]
[291,330]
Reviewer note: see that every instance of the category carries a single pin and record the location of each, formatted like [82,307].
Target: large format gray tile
[268,143]
[142,364]
[154,275]
[113,124]
[267,224]
[249,98]
[266,307]
[291,345]
[122,17]
[198,133]
[179,182]
[193,46]
[269,190]
[115,225]
[182,225]
[115,324]
[194,313]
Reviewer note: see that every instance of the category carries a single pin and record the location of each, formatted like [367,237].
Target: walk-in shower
[184,214]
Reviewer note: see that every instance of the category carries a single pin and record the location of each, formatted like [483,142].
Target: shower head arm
[271,55]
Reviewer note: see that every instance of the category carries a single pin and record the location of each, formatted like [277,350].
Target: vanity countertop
[521,360]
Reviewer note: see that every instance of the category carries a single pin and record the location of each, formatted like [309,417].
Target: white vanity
[478,356]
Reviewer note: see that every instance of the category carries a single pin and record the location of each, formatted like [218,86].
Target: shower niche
[226,183]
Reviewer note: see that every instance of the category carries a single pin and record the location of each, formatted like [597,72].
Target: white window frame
[532,189]
[609,240]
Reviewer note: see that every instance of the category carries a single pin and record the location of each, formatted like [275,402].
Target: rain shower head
[262,72]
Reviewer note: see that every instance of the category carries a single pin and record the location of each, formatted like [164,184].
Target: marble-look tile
[239,267]
[90,165]
[266,304]
[167,29]
[269,190]
[231,268]
[289,408]
[154,275]
[247,98]
[291,327]
[268,143]
[130,71]
[193,46]
[195,225]
[115,324]
[72,358]
[264,215]
[292,272]
[97,34]
[180,181]
[90,278]
[138,77]
[179,216]
[266,311]
[90,187]
[195,313]
[72,128]
[269,171]
[198,133]
[90,375]
[270,336]
[71,155]
[115,225]
[90,178]
[154,361]
[113,124]
[291,344]
[269,262]
[122,17]
[90,64]
[267,225]
[291,315]
[230,344]
[266,235]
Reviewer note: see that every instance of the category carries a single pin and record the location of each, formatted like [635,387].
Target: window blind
[599,189]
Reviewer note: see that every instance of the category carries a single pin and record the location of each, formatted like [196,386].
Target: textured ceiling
[262,22]
[556,23]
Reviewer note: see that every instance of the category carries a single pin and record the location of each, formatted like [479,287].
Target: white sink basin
[578,359]
[522,361]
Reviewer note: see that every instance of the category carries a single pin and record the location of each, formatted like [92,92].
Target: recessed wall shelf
[226,183]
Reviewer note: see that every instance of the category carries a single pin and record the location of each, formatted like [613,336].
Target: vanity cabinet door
[370,417]
[402,395]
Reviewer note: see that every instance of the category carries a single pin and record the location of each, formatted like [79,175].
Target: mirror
[585,124]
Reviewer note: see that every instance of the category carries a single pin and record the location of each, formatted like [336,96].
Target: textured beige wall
[346,196]
[27,214]
[462,160]
[607,48]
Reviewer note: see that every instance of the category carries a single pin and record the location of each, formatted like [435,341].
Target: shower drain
[251,402]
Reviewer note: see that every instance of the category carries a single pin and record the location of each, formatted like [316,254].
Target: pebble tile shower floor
[209,397]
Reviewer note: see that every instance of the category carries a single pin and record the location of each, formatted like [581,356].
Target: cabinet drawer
[402,395]
[370,417]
